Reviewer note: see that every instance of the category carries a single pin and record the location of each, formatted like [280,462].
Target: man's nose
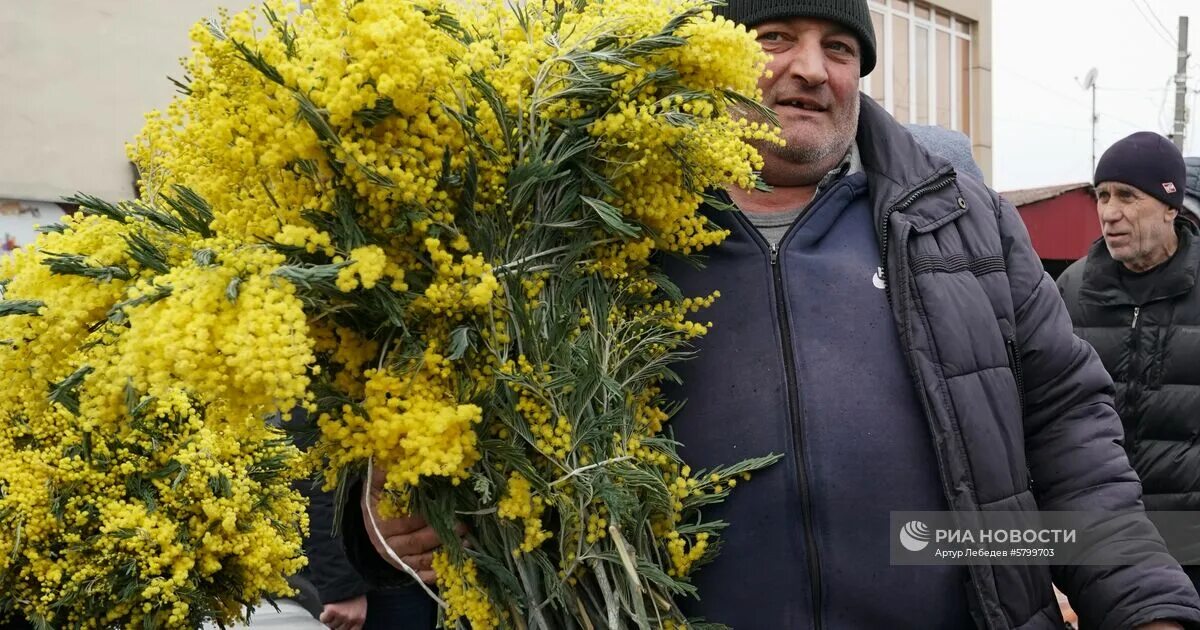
[808,61]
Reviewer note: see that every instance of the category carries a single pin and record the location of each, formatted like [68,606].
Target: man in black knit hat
[1135,298]
[886,325]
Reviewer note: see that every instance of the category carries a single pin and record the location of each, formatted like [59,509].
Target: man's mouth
[802,103]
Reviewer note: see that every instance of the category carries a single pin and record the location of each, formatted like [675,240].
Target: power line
[1039,123]
[1167,38]
[1130,89]
[1162,107]
[1073,99]
[1127,123]
[1155,15]
[1034,82]
[1166,31]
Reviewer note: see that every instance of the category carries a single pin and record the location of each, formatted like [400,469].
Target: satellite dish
[1089,79]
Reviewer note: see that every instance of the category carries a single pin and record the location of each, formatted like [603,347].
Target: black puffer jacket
[1191,199]
[1193,176]
[1146,329]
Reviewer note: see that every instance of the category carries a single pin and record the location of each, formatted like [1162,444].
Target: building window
[923,74]
[944,77]
[878,79]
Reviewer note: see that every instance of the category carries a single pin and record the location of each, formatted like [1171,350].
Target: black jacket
[1193,176]
[328,577]
[328,568]
[1146,329]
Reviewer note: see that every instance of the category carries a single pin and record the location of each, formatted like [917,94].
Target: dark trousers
[402,608]
[1194,573]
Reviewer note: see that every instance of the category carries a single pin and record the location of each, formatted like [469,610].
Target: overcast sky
[1042,50]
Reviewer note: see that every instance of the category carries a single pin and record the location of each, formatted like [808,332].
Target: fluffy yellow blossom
[520,504]
[465,599]
[171,503]
[368,265]
[683,556]
[436,228]
[413,422]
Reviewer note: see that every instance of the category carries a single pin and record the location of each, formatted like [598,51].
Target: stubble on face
[812,87]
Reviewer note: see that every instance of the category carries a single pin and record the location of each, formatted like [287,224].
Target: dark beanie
[1148,162]
[853,14]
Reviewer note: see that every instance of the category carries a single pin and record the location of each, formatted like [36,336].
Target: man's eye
[770,37]
[841,47]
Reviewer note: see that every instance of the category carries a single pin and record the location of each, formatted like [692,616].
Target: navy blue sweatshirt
[805,360]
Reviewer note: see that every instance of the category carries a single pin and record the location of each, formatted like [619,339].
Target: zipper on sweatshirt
[793,391]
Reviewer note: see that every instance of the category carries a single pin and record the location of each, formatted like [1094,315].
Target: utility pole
[1181,85]
[1095,119]
[1089,83]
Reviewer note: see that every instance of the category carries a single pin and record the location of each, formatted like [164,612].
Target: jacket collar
[898,167]
[1106,283]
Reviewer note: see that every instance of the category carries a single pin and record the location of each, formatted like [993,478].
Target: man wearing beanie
[886,325]
[1135,298]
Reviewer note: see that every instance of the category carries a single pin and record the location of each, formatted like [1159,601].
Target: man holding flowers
[887,325]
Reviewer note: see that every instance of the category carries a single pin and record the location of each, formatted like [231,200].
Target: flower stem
[589,467]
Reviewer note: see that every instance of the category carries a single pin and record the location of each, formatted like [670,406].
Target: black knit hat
[853,14]
[1148,162]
